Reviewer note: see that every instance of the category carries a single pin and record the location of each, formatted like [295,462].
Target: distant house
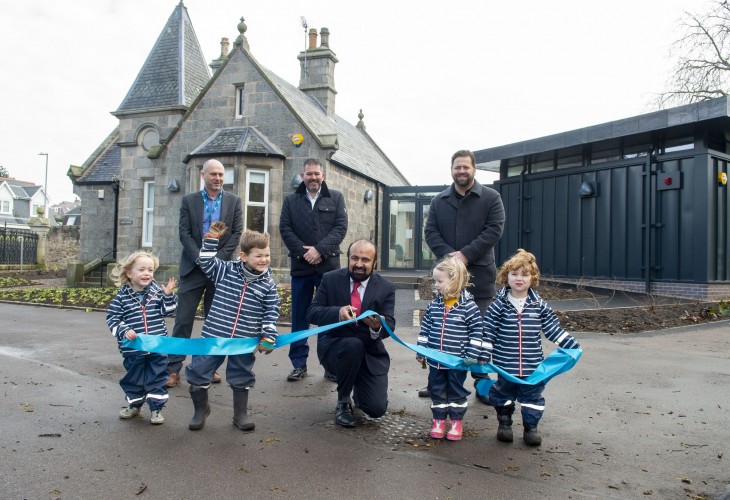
[176,116]
[639,204]
[58,210]
[19,201]
[72,217]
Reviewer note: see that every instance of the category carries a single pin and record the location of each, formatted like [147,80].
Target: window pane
[542,162]
[605,151]
[255,218]
[150,195]
[257,187]
[570,157]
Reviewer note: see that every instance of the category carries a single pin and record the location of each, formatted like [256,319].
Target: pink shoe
[438,429]
[454,433]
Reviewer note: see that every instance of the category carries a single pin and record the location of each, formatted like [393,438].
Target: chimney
[217,63]
[317,77]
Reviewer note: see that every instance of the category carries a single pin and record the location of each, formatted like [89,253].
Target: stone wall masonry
[63,247]
[97,231]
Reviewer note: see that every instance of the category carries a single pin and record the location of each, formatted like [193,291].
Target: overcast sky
[430,77]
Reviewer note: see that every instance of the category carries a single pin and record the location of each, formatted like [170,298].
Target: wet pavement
[640,416]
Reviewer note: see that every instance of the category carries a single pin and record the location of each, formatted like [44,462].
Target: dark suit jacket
[191,228]
[332,294]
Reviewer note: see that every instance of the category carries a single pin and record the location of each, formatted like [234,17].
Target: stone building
[262,128]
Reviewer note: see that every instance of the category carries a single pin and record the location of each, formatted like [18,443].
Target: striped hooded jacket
[514,338]
[457,332]
[245,304]
[128,311]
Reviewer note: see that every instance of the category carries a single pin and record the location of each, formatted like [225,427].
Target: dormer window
[240,100]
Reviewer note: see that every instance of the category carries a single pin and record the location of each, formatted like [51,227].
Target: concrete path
[641,416]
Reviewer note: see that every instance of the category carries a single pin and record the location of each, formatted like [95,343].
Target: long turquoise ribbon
[559,361]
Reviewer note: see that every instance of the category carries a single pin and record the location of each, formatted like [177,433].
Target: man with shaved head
[198,211]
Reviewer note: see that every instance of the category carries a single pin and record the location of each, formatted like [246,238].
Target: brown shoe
[173,380]
[216,378]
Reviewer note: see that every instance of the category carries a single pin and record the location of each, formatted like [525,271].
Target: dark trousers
[504,394]
[192,287]
[145,380]
[346,359]
[239,370]
[302,292]
[448,396]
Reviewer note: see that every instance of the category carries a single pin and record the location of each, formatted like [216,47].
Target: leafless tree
[702,70]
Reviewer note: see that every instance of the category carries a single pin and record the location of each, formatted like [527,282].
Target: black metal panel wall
[18,246]
[676,226]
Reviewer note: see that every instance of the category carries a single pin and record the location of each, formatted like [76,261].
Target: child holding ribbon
[452,324]
[245,304]
[512,326]
[140,307]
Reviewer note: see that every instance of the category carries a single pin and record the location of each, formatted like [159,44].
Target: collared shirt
[211,209]
[361,290]
[311,199]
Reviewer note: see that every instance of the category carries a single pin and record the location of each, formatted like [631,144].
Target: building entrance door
[405,218]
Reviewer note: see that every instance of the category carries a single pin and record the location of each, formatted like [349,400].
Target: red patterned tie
[355,301]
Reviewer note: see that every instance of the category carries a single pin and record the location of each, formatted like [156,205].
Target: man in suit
[354,353]
[198,211]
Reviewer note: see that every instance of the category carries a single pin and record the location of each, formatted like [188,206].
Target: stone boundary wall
[63,247]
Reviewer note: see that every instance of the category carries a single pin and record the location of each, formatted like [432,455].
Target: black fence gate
[18,246]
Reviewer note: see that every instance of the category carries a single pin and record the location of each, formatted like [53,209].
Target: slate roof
[104,163]
[237,140]
[22,190]
[357,151]
[175,70]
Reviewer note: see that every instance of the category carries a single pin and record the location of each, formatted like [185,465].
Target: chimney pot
[325,37]
[225,46]
[312,38]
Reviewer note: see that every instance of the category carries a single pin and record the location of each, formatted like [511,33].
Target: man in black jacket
[313,223]
[198,211]
[466,221]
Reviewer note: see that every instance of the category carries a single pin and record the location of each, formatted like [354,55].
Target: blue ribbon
[559,361]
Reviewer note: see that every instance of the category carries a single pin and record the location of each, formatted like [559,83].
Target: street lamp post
[45,188]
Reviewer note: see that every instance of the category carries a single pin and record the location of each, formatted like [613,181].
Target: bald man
[198,211]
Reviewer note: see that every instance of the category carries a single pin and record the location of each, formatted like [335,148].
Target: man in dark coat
[198,211]
[466,221]
[355,353]
[313,223]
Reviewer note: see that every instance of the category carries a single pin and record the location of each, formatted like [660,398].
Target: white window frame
[148,213]
[9,208]
[264,204]
[240,100]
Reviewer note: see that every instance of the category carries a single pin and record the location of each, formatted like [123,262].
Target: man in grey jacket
[313,223]
[198,210]
[466,221]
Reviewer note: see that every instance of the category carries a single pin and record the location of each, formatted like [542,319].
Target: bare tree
[702,71]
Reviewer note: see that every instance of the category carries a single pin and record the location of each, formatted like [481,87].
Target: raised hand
[217,229]
[171,284]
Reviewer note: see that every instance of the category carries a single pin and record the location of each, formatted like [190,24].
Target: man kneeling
[355,353]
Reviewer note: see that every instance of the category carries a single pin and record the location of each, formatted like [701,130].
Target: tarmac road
[641,416]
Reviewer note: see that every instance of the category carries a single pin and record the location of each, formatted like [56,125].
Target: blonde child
[140,307]
[512,326]
[245,304]
[452,324]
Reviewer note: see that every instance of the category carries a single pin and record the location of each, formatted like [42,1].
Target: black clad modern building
[639,204]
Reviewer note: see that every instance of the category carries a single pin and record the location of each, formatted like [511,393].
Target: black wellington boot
[504,431]
[240,409]
[531,435]
[202,408]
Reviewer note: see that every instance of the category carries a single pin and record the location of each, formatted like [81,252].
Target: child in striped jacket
[452,324]
[512,326]
[140,306]
[245,304]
